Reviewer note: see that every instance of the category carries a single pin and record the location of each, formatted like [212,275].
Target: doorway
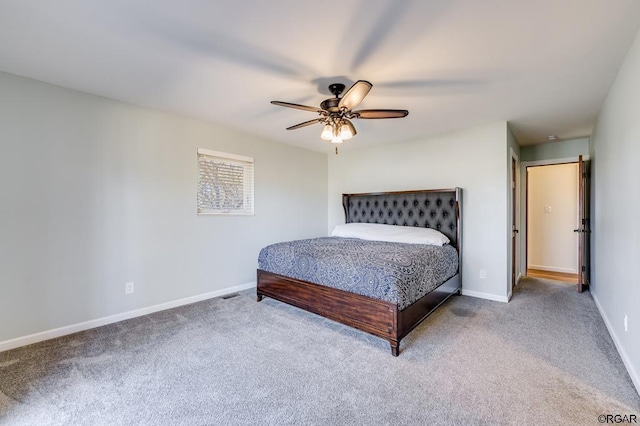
[552,215]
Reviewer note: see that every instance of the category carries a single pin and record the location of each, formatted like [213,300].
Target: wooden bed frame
[374,316]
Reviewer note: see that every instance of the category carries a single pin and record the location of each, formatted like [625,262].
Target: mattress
[394,272]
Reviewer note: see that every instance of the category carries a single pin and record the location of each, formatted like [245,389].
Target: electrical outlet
[483,274]
[129,287]
[625,323]
[547,209]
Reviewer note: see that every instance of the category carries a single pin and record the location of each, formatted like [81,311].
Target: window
[225,183]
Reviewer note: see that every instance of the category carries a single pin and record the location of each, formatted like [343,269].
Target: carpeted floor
[543,358]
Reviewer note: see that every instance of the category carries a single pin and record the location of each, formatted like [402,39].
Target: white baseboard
[553,269]
[74,328]
[487,296]
[519,278]
[635,378]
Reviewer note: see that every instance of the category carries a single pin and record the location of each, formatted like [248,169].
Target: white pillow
[391,233]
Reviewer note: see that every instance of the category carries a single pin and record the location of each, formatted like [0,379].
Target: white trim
[519,278]
[513,154]
[488,296]
[554,269]
[635,378]
[74,328]
[554,161]
[225,155]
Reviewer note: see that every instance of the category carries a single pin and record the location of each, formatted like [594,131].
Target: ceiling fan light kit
[336,113]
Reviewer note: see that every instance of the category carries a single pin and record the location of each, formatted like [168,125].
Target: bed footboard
[370,315]
[373,316]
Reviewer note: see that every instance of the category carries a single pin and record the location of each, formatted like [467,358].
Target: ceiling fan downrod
[336,89]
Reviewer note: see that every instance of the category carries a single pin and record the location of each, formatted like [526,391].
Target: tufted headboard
[439,209]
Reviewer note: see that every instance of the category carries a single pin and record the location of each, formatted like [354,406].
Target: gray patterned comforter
[394,272]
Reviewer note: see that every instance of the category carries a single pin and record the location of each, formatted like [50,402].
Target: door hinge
[586,175]
[584,268]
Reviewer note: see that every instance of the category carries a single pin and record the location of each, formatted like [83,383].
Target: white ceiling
[543,65]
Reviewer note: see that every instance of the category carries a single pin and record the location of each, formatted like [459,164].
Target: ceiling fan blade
[298,106]
[355,94]
[306,123]
[380,113]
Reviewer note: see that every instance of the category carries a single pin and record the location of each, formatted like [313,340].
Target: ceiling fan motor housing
[330,105]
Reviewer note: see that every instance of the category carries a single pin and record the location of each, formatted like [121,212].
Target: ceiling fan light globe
[336,139]
[327,133]
[345,132]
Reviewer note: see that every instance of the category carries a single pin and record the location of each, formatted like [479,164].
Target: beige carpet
[543,358]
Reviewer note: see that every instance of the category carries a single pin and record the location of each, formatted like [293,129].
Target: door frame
[525,200]
[584,224]
[514,204]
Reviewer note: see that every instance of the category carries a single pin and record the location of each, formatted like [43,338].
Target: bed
[348,280]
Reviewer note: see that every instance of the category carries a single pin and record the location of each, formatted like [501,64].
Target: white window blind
[225,183]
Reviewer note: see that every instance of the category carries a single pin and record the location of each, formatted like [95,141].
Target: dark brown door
[514,230]
[584,228]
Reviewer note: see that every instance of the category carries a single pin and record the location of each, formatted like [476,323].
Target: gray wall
[473,159]
[95,193]
[556,150]
[615,151]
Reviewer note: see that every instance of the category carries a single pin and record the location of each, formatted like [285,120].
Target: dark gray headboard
[439,209]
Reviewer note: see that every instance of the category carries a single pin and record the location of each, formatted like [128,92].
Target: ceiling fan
[336,113]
